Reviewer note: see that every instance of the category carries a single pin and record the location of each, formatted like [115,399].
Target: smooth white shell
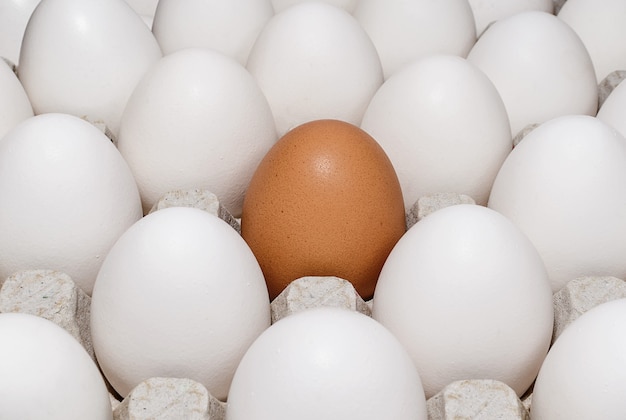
[488,11]
[180,294]
[46,374]
[583,375]
[196,120]
[441,137]
[230,27]
[564,186]
[314,61]
[14,104]
[144,7]
[14,15]
[67,196]
[84,58]
[403,31]
[326,363]
[613,109]
[348,5]
[541,73]
[468,296]
[601,25]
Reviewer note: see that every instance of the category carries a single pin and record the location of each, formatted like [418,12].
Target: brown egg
[324,201]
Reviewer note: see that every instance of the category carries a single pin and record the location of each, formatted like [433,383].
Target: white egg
[14,15]
[148,20]
[444,127]
[489,11]
[14,104]
[468,296]
[144,7]
[584,373]
[67,196]
[46,374]
[326,363]
[180,294]
[314,61]
[230,27]
[347,5]
[601,25]
[564,186]
[540,67]
[84,58]
[196,120]
[613,109]
[406,30]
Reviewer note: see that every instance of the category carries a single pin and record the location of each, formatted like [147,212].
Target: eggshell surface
[583,374]
[548,65]
[315,61]
[180,294]
[403,31]
[601,25]
[14,104]
[143,7]
[564,187]
[347,5]
[67,196]
[46,374]
[14,15]
[468,296]
[613,109]
[439,137]
[347,367]
[197,119]
[230,27]
[84,58]
[325,200]
[488,11]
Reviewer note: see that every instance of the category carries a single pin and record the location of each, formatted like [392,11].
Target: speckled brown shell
[324,201]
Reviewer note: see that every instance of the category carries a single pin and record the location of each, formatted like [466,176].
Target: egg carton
[54,296]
